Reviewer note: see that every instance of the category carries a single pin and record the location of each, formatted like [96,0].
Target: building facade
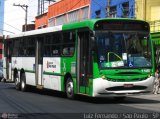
[113,8]
[62,12]
[67,11]
[149,10]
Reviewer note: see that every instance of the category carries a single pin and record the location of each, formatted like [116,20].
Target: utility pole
[25,8]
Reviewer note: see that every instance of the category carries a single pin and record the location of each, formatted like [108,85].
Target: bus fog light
[103,77]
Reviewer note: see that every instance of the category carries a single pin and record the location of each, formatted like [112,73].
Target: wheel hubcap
[70,88]
[23,84]
[16,81]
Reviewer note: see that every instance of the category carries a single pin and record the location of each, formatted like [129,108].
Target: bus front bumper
[105,88]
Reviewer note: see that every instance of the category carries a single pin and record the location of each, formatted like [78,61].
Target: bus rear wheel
[17,84]
[70,89]
[23,83]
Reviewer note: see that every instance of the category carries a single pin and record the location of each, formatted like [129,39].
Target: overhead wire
[11,26]
[7,31]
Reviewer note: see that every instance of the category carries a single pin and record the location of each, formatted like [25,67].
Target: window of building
[113,12]
[98,13]
[84,13]
[51,22]
[73,16]
[61,20]
[125,9]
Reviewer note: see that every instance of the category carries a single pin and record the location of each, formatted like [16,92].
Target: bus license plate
[128,85]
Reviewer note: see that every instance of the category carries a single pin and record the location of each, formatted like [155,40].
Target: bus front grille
[126,80]
[121,88]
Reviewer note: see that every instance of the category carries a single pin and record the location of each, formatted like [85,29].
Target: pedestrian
[157,81]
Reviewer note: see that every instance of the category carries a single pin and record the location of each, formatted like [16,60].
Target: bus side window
[68,51]
[69,43]
[52,45]
[16,47]
[56,44]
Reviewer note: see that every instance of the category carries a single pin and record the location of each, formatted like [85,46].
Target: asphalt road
[48,104]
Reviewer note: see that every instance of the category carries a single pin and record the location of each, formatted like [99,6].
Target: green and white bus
[96,58]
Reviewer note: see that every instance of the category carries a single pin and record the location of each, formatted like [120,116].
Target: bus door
[7,64]
[83,61]
[39,63]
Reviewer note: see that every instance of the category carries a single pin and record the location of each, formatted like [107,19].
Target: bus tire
[23,83]
[16,81]
[69,88]
[17,84]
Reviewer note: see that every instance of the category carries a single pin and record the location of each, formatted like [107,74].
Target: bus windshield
[123,49]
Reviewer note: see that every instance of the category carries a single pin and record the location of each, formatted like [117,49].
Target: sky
[14,17]
[1,15]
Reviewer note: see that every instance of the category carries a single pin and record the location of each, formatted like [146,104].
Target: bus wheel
[23,83]
[70,89]
[17,83]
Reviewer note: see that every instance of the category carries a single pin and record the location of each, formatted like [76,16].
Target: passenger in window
[65,51]
[71,51]
[55,52]
[25,52]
